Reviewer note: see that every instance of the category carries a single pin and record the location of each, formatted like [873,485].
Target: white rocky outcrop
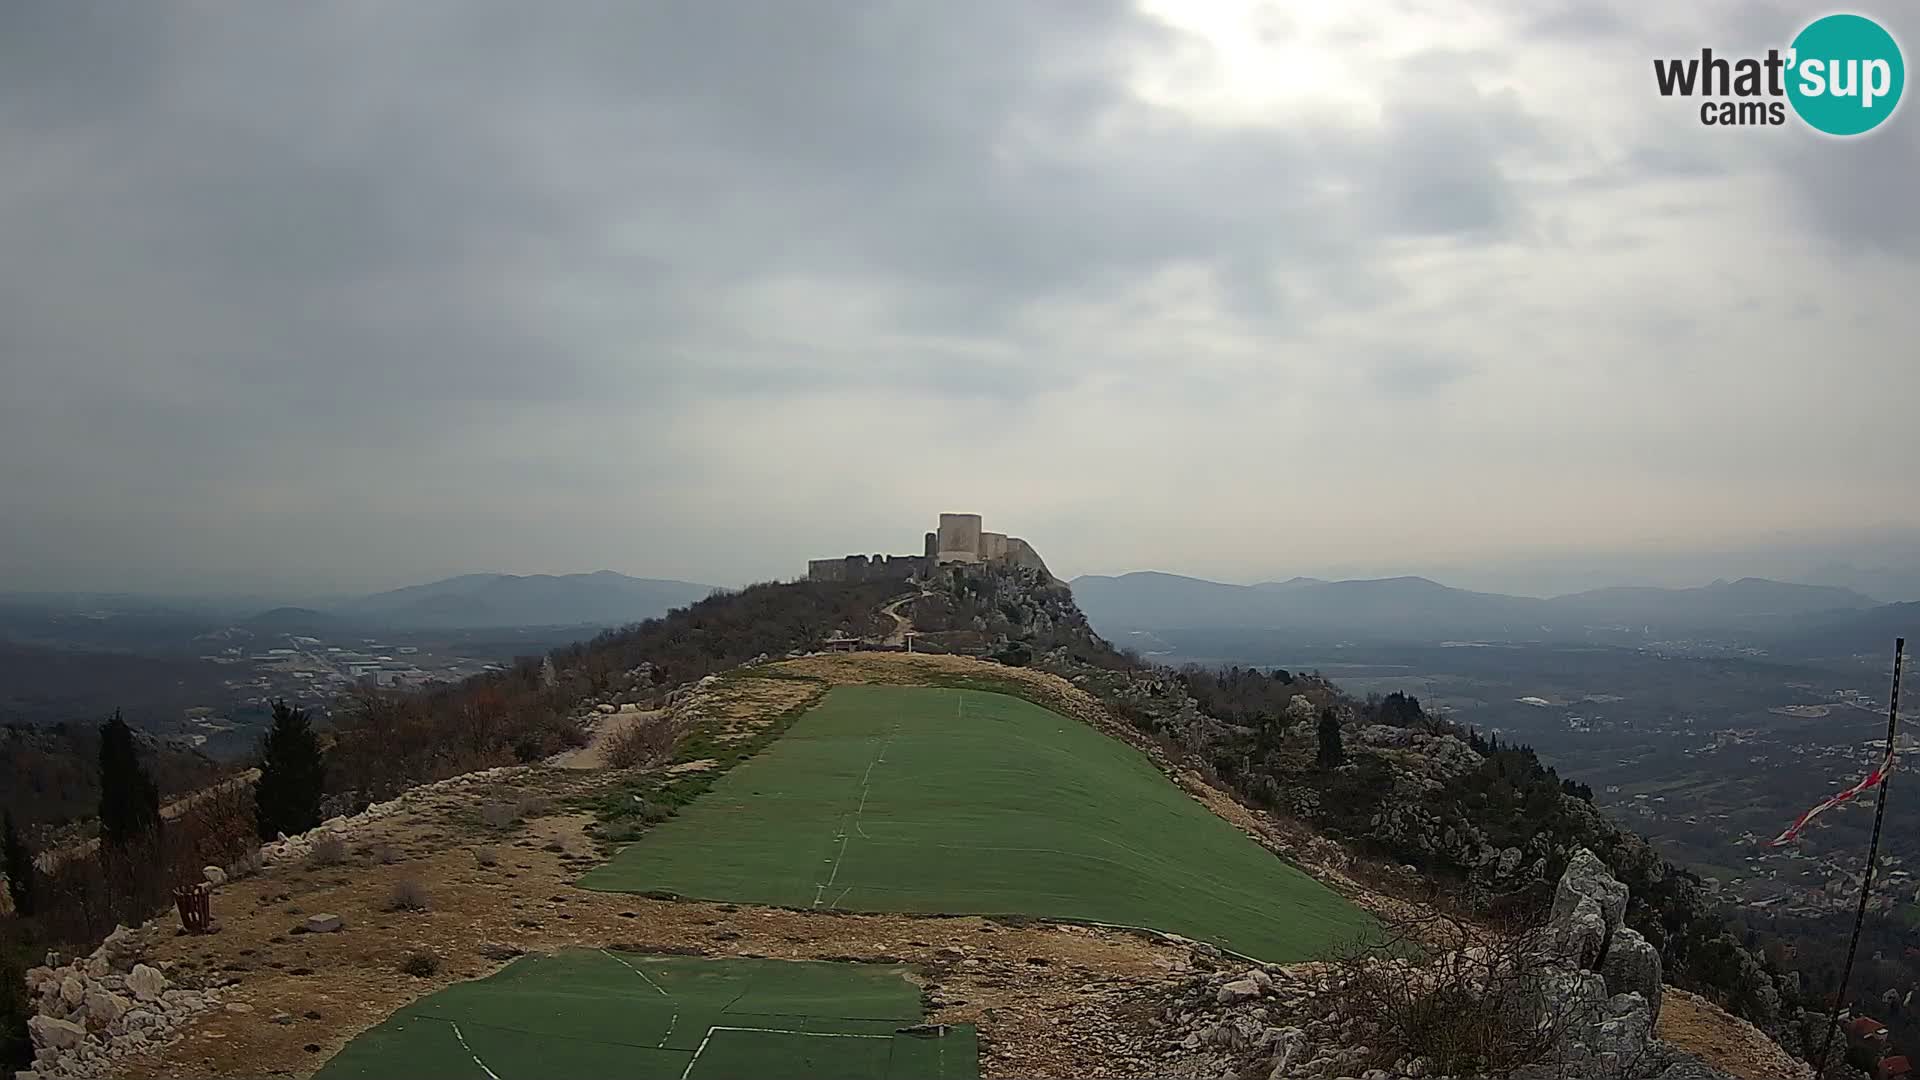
[92,1011]
[292,848]
[1589,977]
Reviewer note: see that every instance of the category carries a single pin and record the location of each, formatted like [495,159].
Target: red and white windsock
[1867,783]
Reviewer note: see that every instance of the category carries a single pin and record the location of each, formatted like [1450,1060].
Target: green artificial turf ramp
[604,1014]
[914,799]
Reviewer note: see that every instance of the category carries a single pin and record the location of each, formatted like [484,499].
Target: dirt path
[902,625]
[1703,1029]
[594,755]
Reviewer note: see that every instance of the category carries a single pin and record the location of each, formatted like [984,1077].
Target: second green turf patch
[913,799]
[592,1013]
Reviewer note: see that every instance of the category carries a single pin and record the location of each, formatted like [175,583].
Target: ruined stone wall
[858,568]
[1021,553]
[895,567]
[993,546]
[830,569]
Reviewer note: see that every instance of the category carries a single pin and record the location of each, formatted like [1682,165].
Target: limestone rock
[146,983]
[325,923]
[1237,991]
[1385,735]
[1587,876]
[1582,932]
[1509,861]
[1632,965]
[104,1006]
[73,990]
[55,1034]
[121,948]
[215,876]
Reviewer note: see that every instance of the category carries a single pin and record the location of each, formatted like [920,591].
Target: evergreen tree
[293,775]
[1332,754]
[129,800]
[16,1005]
[19,865]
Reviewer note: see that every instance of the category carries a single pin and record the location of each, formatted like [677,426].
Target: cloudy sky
[346,295]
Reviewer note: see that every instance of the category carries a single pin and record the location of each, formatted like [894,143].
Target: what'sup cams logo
[1842,75]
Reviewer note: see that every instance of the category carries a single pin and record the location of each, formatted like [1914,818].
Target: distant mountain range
[1856,632]
[1415,608]
[473,601]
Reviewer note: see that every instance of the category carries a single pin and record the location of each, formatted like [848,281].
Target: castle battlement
[959,539]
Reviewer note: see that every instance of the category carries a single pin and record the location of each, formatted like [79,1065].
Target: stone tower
[959,539]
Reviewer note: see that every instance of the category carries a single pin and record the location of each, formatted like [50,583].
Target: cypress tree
[1332,754]
[19,864]
[129,799]
[293,775]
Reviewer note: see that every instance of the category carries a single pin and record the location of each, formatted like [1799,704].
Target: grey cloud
[1409,375]
[274,267]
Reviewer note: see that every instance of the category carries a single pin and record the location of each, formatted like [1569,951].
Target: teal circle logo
[1846,74]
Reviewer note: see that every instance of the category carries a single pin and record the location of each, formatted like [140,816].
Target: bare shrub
[498,815]
[246,865]
[420,964]
[533,806]
[82,897]
[215,829]
[384,854]
[84,893]
[641,743]
[1466,998]
[329,850]
[408,895]
[498,951]
[486,856]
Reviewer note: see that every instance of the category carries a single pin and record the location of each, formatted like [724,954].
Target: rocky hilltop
[1528,936]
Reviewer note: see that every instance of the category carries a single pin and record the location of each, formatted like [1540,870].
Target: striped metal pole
[1873,856]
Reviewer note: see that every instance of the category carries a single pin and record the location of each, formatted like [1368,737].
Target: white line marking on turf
[671,1020]
[790,1031]
[636,971]
[836,869]
[866,783]
[708,1037]
[470,1053]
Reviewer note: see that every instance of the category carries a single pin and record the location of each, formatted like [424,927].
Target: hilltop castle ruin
[958,540]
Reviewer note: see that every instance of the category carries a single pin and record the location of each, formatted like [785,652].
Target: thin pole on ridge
[1873,855]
